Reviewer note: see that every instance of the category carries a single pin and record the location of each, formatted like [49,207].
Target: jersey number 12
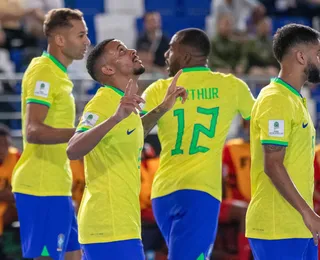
[197,129]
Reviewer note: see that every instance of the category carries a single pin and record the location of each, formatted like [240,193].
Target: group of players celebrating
[193,109]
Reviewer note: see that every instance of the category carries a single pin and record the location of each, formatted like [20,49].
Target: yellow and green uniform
[110,209]
[192,134]
[280,117]
[43,170]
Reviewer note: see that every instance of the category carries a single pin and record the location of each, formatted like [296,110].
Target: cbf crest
[60,242]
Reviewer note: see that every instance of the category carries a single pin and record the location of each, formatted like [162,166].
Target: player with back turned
[187,188]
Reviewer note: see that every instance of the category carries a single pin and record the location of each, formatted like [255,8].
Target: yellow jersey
[280,117]
[110,209]
[43,170]
[192,135]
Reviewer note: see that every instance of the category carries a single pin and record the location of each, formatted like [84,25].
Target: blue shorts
[48,225]
[188,220]
[120,250]
[284,249]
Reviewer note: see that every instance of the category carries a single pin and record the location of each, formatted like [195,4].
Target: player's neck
[294,79]
[197,63]
[65,61]
[120,82]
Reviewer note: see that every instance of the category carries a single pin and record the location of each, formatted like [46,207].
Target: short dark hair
[195,38]
[290,36]
[4,130]
[94,56]
[60,17]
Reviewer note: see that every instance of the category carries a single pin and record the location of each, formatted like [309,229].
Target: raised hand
[173,92]
[129,102]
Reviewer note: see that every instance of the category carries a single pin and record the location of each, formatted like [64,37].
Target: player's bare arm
[82,143]
[38,132]
[273,166]
[150,120]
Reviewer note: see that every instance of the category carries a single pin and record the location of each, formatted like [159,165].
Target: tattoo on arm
[150,119]
[271,148]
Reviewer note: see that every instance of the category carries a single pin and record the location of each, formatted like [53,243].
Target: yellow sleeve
[150,95]
[92,115]
[41,87]
[274,120]
[245,99]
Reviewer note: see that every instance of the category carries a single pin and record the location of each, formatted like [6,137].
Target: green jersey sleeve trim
[37,101]
[247,118]
[273,142]
[82,129]
[55,61]
[195,69]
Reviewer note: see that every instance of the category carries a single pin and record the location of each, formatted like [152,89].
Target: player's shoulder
[231,83]
[40,68]
[160,84]
[225,77]
[234,141]
[271,94]
[103,100]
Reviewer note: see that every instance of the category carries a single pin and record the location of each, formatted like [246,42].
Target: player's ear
[187,58]
[59,40]
[107,70]
[301,57]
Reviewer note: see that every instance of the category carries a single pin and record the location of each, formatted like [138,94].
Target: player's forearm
[283,183]
[44,134]
[83,143]
[150,120]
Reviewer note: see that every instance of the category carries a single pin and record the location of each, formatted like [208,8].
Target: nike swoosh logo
[130,132]
[304,125]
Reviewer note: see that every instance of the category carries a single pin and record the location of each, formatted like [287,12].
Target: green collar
[120,92]
[195,69]
[286,85]
[55,61]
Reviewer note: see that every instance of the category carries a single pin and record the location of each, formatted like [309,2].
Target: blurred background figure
[258,51]
[240,10]
[152,43]
[153,242]
[227,53]
[78,182]
[9,156]
[236,195]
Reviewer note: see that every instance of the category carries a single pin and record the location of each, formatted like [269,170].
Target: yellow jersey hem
[155,195]
[108,239]
[42,194]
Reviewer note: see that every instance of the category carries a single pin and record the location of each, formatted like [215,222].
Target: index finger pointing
[128,90]
[175,79]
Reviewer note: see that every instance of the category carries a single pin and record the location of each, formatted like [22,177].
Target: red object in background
[147,215]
